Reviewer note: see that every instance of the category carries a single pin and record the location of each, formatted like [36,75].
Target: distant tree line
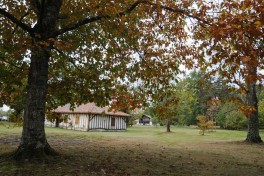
[199,94]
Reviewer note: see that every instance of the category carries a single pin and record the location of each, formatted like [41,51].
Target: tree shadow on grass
[121,156]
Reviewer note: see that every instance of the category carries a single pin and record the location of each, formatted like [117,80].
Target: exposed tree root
[40,153]
[255,140]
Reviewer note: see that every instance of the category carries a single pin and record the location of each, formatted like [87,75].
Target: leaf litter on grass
[107,154]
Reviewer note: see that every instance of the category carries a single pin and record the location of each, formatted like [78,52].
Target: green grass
[140,151]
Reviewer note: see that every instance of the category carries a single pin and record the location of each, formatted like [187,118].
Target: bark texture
[33,141]
[253,120]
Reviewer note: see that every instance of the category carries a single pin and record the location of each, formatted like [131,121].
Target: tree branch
[16,21]
[10,63]
[71,60]
[184,12]
[96,18]
[20,21]
[119,14]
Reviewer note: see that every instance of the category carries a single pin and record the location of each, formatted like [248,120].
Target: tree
[199,94]
[188,108]
[86,50]
[12,78]
[204,124]
[166,105]
[155,119]
[233,44]
[12,81]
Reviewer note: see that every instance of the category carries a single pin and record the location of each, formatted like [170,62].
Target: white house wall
[104,122]
[97,122]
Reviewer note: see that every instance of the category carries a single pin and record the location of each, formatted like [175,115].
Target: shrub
[204,124]
[225,110]
[261,114]
[229,117]
[235,120]
[16,118]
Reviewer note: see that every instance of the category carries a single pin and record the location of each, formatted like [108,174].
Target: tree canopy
[234,43]
[81,51]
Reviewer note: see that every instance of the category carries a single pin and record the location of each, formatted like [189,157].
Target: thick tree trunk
[168,125]
[253,121]
[33,141]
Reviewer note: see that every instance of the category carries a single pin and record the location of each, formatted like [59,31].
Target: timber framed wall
[87,117]
[90,122]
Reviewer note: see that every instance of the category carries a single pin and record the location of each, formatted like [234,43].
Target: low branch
[16,21]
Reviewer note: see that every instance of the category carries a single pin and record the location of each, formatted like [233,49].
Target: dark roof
[89,108]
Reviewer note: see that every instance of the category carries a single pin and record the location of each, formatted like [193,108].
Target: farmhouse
[88,117]
[145,120]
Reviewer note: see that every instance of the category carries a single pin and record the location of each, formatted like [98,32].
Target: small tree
[204,124]
[166,106]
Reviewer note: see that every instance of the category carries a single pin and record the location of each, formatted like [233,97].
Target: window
[77,119]
[112,122]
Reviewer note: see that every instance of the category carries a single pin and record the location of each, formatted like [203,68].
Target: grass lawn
[139,151]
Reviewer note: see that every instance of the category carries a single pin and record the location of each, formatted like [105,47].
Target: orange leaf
[245,59]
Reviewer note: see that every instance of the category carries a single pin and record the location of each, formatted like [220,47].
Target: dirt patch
[10,140]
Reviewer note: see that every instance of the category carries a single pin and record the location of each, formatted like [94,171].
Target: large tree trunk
[253,121]
[33,141]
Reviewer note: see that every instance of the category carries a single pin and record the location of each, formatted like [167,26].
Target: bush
[130,121]
[16,118]
[229,117]
[235,120]
[225,110]
[261,114]
[204,124]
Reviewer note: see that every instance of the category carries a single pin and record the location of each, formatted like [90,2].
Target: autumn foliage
[231,45]
[204,124]
[80,51]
